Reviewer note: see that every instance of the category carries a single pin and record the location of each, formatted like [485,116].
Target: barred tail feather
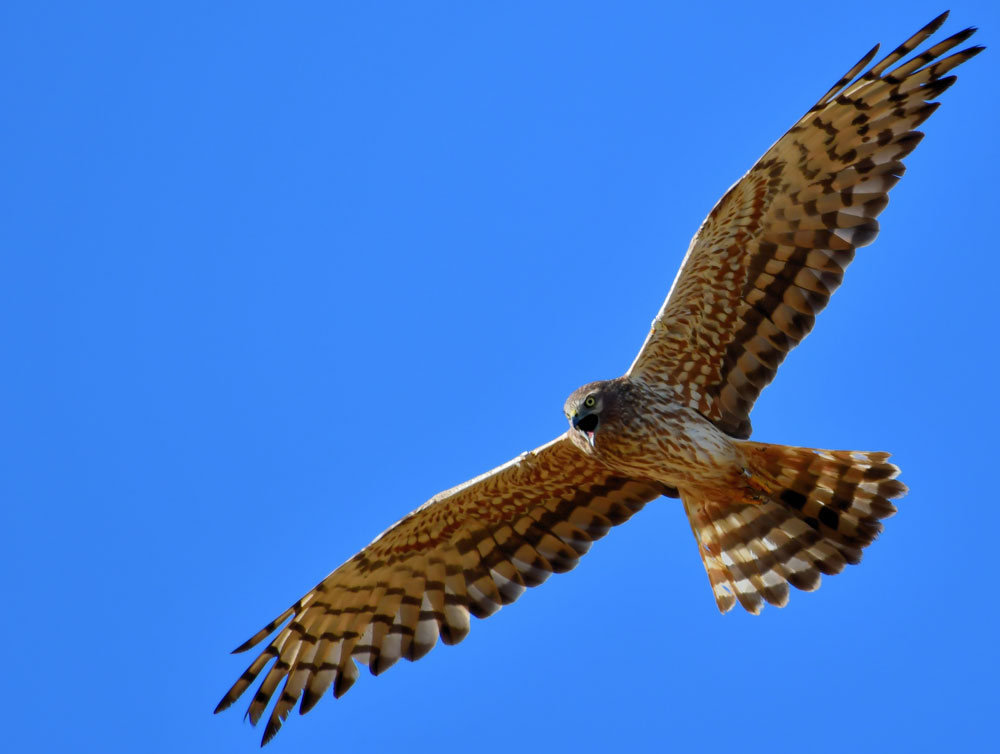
[805,512]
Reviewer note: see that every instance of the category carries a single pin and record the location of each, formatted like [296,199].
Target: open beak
[587,425]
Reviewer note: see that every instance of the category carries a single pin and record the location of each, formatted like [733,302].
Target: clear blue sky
[274,274]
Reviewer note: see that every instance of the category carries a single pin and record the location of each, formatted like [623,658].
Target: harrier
[762,265]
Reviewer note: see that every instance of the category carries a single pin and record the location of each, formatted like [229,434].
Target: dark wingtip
[309,700]
[965,33]
[936,23]
[269,732]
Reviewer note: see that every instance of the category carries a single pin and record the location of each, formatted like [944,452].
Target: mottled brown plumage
[760,268]
[775,247]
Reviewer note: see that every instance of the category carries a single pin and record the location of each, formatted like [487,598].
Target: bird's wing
[469,550]
[772,251]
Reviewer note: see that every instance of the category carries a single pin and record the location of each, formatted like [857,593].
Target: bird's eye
[590,401]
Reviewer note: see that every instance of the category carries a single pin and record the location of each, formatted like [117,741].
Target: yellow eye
[589,402]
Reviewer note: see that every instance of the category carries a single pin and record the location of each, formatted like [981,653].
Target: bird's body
[646,433]
[760,268]
[764,515]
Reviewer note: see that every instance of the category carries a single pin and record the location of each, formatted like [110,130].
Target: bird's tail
[803,512]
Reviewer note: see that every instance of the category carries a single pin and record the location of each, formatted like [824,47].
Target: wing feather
[469,550]
[774,249]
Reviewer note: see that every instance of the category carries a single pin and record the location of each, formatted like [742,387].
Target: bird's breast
[669,443]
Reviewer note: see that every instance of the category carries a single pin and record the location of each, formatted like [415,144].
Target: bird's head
[585,409]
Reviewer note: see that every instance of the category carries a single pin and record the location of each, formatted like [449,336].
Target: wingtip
[936,23]
[270,731]
[860,66]
[254,640]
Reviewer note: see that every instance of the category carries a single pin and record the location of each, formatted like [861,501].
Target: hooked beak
[586,424]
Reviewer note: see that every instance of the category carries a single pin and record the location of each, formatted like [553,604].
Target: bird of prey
[761,266]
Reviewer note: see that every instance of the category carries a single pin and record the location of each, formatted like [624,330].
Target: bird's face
[583,409]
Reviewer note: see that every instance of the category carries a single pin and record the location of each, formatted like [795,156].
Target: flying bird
[760,268]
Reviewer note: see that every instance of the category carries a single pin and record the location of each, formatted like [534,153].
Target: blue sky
[273,275]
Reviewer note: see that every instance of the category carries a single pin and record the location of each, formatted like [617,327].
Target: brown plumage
[760,268]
